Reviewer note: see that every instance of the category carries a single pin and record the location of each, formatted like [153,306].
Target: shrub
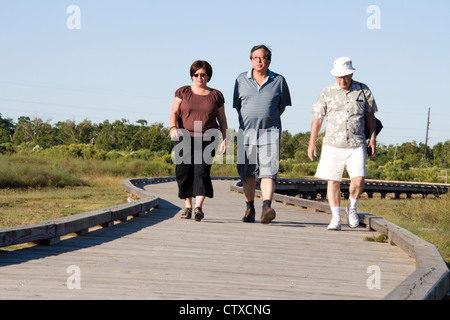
[7,148]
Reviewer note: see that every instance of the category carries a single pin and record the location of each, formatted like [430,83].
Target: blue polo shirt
[259,107]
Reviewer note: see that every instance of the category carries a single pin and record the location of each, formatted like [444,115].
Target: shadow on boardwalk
[95,238]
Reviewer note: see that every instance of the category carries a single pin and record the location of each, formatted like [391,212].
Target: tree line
[107,136]
[403,162]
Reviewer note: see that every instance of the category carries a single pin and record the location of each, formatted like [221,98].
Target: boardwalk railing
[431,280]
[50,232]
[313,187]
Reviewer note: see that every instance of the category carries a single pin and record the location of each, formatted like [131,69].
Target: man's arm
[285,97]
[315,128]
[236,99]
[371,124]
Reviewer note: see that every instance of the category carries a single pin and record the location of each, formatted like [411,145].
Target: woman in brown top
[196,110]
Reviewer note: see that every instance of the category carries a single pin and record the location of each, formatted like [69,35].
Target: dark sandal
[187,214]
[199,215]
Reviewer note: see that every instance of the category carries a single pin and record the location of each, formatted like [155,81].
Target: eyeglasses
[257,58]
[202,75]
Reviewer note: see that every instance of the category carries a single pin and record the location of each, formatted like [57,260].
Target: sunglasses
[202,75]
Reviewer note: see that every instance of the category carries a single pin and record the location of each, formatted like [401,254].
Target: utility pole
[426,140]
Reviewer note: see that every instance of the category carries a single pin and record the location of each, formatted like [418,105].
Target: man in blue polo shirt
[260,98]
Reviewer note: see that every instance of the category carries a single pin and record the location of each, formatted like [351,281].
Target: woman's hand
[174,115]
[174,133]
[223,147]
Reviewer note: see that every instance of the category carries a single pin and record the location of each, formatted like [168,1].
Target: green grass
[37,172]
[382,238]
[33,205]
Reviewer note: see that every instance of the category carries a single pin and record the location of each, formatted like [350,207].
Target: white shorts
[334,160]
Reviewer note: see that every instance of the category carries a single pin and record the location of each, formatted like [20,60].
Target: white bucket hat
[343,67]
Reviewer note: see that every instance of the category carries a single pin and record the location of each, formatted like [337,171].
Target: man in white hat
[348,105]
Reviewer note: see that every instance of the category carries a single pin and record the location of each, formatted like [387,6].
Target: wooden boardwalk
[160,256]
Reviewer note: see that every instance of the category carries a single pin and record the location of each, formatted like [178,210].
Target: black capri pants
[193,166]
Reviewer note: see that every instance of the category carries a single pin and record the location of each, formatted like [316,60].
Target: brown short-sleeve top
[201,108]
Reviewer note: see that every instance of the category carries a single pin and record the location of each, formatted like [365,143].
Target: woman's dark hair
[266,49]
[200,64]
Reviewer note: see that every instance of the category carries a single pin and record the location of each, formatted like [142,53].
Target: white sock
[336,211]
[353,202]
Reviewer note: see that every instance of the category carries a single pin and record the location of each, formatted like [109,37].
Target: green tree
[123,132]
[105,139]
[34,131]
[441,154]
[7,128]
[154,137]
[68,132]
[115,136]
[287,145]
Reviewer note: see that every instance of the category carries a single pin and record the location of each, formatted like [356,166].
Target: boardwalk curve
[159,256]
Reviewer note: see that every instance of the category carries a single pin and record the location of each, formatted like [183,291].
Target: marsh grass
[33,205]
[38,172]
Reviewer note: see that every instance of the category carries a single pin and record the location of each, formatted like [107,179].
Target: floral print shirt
[345,112]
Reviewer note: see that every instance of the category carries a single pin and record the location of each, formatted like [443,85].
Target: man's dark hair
[266,49]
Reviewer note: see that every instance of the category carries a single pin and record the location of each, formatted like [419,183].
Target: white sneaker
[335,224]
[352,217]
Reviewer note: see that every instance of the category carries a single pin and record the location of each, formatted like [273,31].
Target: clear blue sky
[130,56]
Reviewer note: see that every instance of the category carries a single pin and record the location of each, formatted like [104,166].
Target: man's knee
[334,184]
[358,180]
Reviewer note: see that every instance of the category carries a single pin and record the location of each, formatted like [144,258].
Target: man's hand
[312,151]
[372,147]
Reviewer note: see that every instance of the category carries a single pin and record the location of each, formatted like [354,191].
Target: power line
[75,106]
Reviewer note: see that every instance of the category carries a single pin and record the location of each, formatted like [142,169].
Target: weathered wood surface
[160,256]
[51,231]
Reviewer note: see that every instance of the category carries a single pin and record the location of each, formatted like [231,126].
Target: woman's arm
[222,118]
[174,117]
